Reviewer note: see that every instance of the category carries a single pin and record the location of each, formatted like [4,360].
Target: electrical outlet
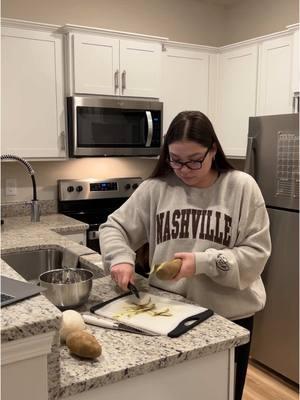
[11,187]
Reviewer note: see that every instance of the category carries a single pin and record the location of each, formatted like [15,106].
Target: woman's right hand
[122,274]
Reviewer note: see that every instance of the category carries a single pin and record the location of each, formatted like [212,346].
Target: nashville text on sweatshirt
[191,223]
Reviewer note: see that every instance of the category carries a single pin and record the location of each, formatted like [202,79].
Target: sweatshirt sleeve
[239,266]
[124,231]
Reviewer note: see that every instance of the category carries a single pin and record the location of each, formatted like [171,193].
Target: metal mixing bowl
[67,288]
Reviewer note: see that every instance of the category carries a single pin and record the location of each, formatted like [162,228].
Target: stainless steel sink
[30,264]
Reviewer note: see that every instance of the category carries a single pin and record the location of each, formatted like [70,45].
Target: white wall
[47,174]
[247,19]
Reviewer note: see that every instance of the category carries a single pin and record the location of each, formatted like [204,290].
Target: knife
[110,324]
[133,290]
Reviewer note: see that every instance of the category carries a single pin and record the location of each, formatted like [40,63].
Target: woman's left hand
[188,266]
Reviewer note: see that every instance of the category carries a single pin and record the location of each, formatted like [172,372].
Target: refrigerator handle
[249,164]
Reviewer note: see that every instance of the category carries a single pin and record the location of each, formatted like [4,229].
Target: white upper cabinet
[275,81]
[96,64]
[187,77]
[237,97]
[140,68]
[296,64]
[106,65]
[32,107]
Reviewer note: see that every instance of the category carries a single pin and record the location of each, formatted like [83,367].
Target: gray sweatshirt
[225,225]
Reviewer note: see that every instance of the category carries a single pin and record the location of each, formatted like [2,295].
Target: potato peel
[149,308]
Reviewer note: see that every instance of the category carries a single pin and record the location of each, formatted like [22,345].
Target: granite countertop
[124,354]
[127,355]
[37,314]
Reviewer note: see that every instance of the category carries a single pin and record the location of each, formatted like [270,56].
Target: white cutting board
[161,325]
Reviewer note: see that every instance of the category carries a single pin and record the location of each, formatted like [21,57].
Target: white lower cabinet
[237,97]
[32,68]
[275,81]
[24,367]
[187,77]
[209,378]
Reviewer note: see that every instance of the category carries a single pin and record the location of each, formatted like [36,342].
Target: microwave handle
[150,128]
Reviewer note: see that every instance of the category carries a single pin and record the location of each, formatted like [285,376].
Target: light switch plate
[11,187]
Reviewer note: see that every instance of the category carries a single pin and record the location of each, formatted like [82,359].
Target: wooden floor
[261,385]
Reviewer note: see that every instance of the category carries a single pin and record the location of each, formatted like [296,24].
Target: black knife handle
[133,290]
[183,327]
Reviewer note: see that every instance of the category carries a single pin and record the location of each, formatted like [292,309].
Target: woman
[196,207]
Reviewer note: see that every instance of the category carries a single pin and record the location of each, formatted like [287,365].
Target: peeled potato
[71,321]
[168,269]
[83,344]
[144,300]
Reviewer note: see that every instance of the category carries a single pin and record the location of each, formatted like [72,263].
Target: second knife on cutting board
[110,324]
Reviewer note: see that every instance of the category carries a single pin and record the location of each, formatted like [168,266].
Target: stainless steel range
[92,200]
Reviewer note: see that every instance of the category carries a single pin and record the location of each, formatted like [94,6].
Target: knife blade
[133,290]
[111,324]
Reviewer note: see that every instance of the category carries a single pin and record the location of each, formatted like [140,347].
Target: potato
[144,300]
[168,269]
[71,321]
[83,344]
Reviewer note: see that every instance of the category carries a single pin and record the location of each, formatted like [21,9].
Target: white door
[275,87]
[140,68]
[96,65]
[185,82]
[237,98]
[32,106]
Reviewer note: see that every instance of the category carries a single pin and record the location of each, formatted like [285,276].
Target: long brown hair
[196,127]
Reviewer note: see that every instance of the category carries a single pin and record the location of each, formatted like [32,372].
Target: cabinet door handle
[117,79]
[123,80]
[296,102]
[62,140]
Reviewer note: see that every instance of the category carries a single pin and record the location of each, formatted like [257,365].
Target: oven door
[111,127]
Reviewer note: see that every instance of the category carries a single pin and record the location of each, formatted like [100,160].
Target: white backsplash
[48,172]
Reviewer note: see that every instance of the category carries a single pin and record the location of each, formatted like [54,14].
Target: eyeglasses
[189,164]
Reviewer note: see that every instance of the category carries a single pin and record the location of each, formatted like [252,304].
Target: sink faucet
[35,207]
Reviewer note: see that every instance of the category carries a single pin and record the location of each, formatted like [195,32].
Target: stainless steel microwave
[113,126]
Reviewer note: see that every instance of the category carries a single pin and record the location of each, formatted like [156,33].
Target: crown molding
[69,28]
[191,46]
[18,23]
[260,39]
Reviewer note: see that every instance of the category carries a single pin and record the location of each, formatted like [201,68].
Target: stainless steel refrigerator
[273,160]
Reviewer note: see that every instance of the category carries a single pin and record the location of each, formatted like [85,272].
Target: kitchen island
[198,364]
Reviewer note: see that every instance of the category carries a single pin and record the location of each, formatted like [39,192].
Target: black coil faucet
[35,208]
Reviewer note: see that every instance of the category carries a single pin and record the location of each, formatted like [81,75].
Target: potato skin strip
[149,308]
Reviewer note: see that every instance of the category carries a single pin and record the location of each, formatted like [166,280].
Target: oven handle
[150,128]
[92,235]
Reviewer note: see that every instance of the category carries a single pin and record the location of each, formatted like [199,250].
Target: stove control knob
[79,188]
[70,189]
[134,186]
[127,186]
